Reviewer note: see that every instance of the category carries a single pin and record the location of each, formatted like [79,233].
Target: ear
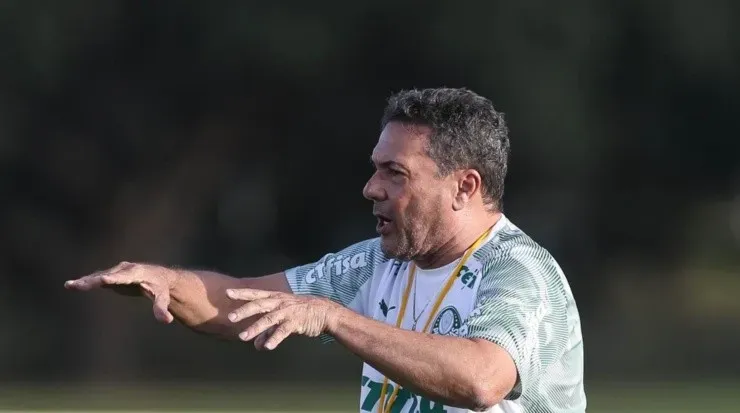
[468,186]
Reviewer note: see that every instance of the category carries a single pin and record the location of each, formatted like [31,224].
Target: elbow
[483,396]
[492,381]
[489,389]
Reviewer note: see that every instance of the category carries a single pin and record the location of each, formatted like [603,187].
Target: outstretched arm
[195,298]
[199,301]
[198,298]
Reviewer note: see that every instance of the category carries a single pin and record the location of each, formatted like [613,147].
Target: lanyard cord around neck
[435,308]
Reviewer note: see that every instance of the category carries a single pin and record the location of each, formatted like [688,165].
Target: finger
[84,283]
[248,294]
[259,342]
[123,265]
[254,307]
[161,305]
[121,274]
[281,333]
[97,280]
[265,322]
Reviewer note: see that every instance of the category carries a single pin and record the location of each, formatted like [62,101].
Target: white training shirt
[510,291]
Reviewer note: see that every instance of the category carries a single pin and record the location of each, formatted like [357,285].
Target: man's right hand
[131,279]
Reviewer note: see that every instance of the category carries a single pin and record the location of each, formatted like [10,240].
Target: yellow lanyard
[435,308]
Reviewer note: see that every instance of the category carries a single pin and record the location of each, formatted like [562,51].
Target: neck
[455,246]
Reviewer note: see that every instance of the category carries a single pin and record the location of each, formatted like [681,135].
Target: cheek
[434,202]
[400,196]
[420,207]
[416,203]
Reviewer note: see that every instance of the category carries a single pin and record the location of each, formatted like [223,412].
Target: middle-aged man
[452,307]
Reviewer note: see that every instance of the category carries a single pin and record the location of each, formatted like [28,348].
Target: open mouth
[384,224]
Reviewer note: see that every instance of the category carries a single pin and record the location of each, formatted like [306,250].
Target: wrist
[172,278]
[334,317]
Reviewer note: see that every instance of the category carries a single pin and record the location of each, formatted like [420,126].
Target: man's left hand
[284,314]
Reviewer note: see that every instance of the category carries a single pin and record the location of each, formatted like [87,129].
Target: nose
[373,190]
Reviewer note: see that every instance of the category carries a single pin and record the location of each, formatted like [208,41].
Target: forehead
[400,142]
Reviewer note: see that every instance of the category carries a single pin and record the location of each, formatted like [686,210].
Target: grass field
[603,398]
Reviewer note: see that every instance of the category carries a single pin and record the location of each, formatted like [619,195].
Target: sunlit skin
[423,216]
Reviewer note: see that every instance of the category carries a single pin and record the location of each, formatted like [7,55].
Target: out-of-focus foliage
[235,136]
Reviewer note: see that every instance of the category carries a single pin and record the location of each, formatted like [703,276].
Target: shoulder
[511,258]
[509,241]
[359,259]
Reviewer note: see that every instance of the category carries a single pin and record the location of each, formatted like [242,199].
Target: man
[452,308]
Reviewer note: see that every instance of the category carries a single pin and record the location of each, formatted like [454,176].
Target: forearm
[452,370]
[199,300]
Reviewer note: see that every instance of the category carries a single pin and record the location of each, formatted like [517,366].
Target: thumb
[161,311]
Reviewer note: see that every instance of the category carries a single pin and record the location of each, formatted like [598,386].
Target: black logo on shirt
[384,307]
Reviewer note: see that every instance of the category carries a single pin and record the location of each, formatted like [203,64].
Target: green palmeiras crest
[448,322]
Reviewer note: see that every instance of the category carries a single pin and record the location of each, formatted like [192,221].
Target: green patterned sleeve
[338,276]
[521,307]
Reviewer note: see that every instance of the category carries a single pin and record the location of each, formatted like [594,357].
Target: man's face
[412,203]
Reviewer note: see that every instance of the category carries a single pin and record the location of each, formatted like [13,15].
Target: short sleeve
[520,308]
[339,276]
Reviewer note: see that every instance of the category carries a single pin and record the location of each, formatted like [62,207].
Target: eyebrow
[389,164]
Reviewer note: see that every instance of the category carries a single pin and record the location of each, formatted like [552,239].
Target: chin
[391,249]
[388,247]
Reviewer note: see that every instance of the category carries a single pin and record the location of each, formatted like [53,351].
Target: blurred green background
[286,397]
[235,135]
